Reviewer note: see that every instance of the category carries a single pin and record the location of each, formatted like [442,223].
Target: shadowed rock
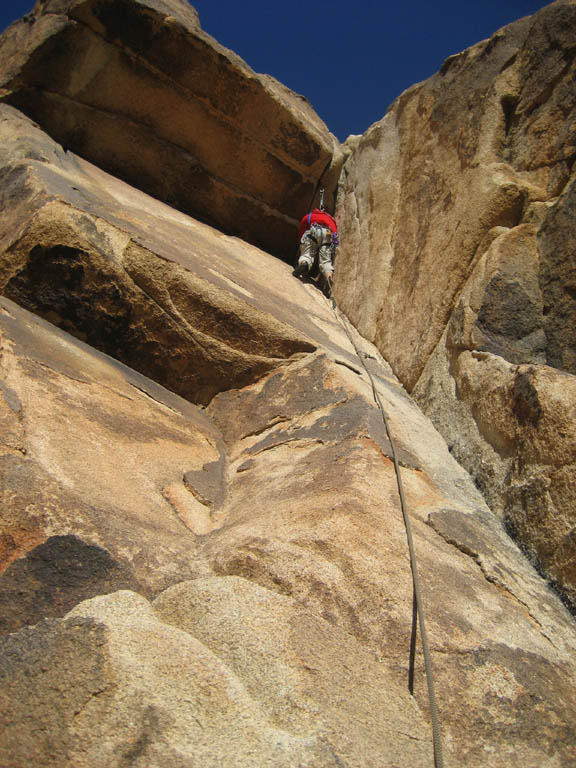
[206,134]
[54,577]
[127,282]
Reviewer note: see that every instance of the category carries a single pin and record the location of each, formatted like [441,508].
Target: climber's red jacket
[316,217]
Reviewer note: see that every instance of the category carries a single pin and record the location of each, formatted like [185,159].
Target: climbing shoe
[301,269]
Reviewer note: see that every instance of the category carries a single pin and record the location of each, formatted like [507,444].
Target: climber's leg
[308,249]
[325,261]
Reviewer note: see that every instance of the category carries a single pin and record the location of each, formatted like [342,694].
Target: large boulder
[138,88]
[249,589]
[458,262]
[100,462]
[83,250]
[185,682]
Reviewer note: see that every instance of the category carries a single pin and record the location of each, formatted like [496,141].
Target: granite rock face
[100,503]
[231,584]
[202,554]
[79,252]
[457,220]
[205,133]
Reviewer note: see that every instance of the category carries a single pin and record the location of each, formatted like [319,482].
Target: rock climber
[318,236]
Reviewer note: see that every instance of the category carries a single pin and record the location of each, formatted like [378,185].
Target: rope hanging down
[436,737]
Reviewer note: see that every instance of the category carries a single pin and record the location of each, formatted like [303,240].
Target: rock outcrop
[139,89]
[458,262]
[77,244]
[202,554]
[265,528]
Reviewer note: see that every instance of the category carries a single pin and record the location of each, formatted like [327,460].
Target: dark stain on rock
[298,144]
[526,407]
[480,535]
[521,689]
[530,349]
[527,510]
[149,729]
[54,577]
[49,673]
[565,559]
[509,104]
[14,189]
[508,310]
[459,529]
[208,484]
[533,679]
[492,546]
[130,25]
[283,397]
[246,465]
[557,280]
[325,469]
[10,398]
[354,418]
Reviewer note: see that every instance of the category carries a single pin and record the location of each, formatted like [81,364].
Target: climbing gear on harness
[321,198]
[362,356]
[322,234]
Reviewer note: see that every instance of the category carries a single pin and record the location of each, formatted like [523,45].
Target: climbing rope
[436,737]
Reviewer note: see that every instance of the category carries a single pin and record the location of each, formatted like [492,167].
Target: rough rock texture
[457,220]
[264,612]
[182,323]
[73,525]
[138,88]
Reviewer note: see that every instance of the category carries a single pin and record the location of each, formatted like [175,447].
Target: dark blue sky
[350,59]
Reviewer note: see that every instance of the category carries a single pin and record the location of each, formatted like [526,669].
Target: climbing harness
[436,736]
[320,233]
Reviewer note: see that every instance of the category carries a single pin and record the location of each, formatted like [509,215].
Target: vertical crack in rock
[509,104]
[527,406]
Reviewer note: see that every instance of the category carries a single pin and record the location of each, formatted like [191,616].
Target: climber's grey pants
[316,242]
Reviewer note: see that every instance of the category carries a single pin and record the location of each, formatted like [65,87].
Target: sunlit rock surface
[456,211]
[202,553]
